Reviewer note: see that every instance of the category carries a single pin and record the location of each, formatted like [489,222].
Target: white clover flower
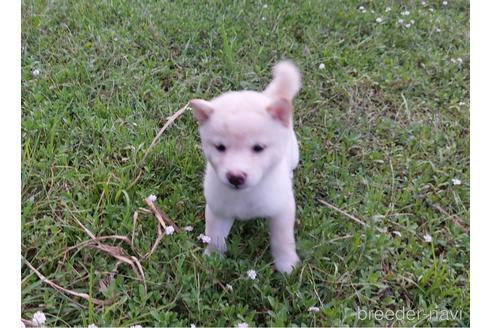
[388,9]
[431,10]
[459,60]
[35,72]
[192,325]
[263,18]
[152,198]
[427,238]
[242,325]
[188,228]
[169,230]
[456,181]
[265,6]
[444,3]
[453,60]
[424,3]
[408,25]
[461,103]
[229,287]
[321,66]
[313,309]
[438,30]
[205,239]
[379,20]
[38,318]
[251,274]
[397,233]
[412,21]
[400,21]
[136,326]
[405,13]
[92,326]
[362,8]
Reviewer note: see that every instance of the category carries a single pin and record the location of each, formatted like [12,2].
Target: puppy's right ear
[202,110]
[281,110]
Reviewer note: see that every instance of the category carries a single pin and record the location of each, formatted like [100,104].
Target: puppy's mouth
[236,187]
[233,187]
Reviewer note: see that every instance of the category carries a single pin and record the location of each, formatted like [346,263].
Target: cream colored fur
[241,181]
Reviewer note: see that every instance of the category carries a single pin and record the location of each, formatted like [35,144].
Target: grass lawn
[383,131]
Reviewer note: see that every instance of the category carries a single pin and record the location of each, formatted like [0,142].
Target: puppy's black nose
[236,178]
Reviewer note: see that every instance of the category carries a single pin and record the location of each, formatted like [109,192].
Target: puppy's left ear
[202,110]
[281,110]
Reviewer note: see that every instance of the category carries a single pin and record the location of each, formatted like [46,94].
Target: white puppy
[251,150]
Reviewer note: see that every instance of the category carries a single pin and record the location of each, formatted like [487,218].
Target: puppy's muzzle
[236,179]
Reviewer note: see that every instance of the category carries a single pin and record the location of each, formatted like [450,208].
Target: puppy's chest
[244,206]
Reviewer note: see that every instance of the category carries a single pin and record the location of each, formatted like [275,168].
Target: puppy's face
[243,135]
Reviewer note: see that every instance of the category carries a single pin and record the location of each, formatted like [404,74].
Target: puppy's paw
[211,249]
[287,263]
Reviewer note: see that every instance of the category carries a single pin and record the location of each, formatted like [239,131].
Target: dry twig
[160,234]
[350,216]
[163,218]
[169,121]
[67,291]
[116,252]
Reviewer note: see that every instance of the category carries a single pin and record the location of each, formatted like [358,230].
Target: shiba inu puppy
[251,150]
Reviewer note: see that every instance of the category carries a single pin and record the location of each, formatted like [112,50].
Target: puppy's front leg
[217,228]
[283,241]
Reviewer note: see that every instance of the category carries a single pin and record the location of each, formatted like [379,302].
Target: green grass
[383,130]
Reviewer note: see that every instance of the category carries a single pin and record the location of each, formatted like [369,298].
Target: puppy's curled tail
[286,81]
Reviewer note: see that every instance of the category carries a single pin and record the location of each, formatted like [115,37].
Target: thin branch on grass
[453,217]
[161,216]
[169,121]
[87,231]
[160,234]
[140,172]
[350,216]
[105,282]
[145,210]
[115,251]
[135,219]
[162,219]
[407,110]
[118,252]
[85,242]
[67,291]
[392,203]
[139,266]
[102,194]
[339,238]
[314,286]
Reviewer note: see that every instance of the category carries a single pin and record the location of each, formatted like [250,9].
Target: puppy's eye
[220,148]
[258,148]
